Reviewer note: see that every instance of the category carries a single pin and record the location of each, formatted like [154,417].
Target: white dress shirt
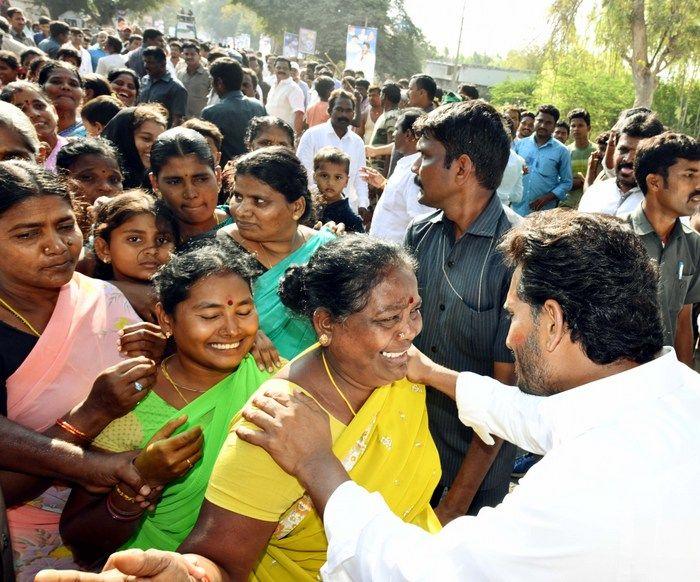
[607,198]
[285,99]
[511,189]
[398,204]
[109,63]
[615,498]
[323,135]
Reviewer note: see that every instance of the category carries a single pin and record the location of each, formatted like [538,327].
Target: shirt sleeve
[361,187]
[305,152]
[296,99]
[179,106]
[566,180]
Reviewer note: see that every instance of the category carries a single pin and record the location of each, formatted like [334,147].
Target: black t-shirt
[15,346]
[340,211]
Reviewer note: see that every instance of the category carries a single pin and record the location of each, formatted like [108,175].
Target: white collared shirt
[606,197]
[398,204]
[615,498]
[323,135]
[108,63]
[284,100]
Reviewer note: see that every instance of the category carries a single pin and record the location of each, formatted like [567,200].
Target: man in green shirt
[385,126]
[667,169]
[581,149]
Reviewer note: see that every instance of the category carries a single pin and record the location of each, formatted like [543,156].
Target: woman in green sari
[206,305]
[270,202]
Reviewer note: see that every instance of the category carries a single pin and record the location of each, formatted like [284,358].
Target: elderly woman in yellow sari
[257,523]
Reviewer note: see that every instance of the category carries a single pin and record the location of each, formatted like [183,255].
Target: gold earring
[168,334]
[324,340]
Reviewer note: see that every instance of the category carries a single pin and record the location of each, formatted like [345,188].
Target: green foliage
[677,103]
[220,18]
[401,46]
[103,11]
[518,93]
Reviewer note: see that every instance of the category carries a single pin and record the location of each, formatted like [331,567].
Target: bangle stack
[118,514]
[72,430]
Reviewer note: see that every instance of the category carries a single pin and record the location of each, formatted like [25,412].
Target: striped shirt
[463,285]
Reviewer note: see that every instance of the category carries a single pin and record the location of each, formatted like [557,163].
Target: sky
[490,26]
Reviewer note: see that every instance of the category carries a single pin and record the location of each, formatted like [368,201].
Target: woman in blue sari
[270,201]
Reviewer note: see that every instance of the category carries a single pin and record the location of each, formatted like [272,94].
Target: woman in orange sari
[61,333]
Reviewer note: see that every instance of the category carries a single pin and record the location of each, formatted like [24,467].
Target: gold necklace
[169,378]
[340,392]
[19,316]
[291,244]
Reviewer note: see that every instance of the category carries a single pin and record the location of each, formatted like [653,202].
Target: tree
[103,11]
[651,36]
[400,45]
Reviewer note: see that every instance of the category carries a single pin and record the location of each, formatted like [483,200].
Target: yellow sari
[386,448]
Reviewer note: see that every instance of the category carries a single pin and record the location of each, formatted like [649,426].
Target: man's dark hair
[12,10]
[114,44]
[151,34]
[58,27]
[392,92]
[216,54]
[469,90]
[10,59]
[472,128]
[657,154]
[207,129]
[324,87]
[190,45]
[408,118]
[68,52]
[642,125]
[529,114]
[175,43]
[362,83]
[44,20]
[564,256]
[340,94]
[76,30]
[563,124]
[156,52]
[101,109]
[427,83]
[29,52]
[229,71]
[549,110]
[134,37]
[580,113]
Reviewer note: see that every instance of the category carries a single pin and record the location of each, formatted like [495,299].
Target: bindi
[230,302]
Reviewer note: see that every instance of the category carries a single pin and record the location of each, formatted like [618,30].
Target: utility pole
[456,67]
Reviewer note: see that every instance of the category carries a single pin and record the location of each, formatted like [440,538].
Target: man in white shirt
[615,496]
[336,133]
[76,42]
[620,195]
[286,99]
[114,59]
[398,204]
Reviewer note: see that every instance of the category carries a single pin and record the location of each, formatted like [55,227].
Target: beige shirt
[198,86]
[285,99]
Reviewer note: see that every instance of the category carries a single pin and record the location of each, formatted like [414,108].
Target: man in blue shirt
[548,162]
[59,33]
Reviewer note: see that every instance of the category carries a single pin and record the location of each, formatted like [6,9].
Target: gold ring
[189,463]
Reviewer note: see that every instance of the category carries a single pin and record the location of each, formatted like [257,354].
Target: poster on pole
[307,41]
[361,50]
[290,46]
[265,46]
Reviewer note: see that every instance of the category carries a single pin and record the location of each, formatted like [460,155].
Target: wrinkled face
[64,90]
[247,86]
[331,180]
[544,126]
[262,213]
[125,89]
[13,147]
[579,129]
[526,127]
[137,248]
[525,342]
[282,70]
[190,187]
[144,137]
[271,136]
[625,154]
[434,179]
[153,66]
[41,243]
[191,57]
[92,176]
[7,73]
[41,113]
[342,113]
[215,326]
[370,346]
[561,134]
[681,190]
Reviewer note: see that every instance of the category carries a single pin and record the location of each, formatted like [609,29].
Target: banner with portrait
[307,41]
[290,45]
[361,50]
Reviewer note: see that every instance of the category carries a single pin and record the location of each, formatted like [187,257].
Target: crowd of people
[262,319]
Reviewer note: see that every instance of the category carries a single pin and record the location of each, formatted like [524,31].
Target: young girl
[134,237]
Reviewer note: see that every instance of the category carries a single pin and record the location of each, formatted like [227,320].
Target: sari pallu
[290,333]
[79,342]
[178,508]
[386,448]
